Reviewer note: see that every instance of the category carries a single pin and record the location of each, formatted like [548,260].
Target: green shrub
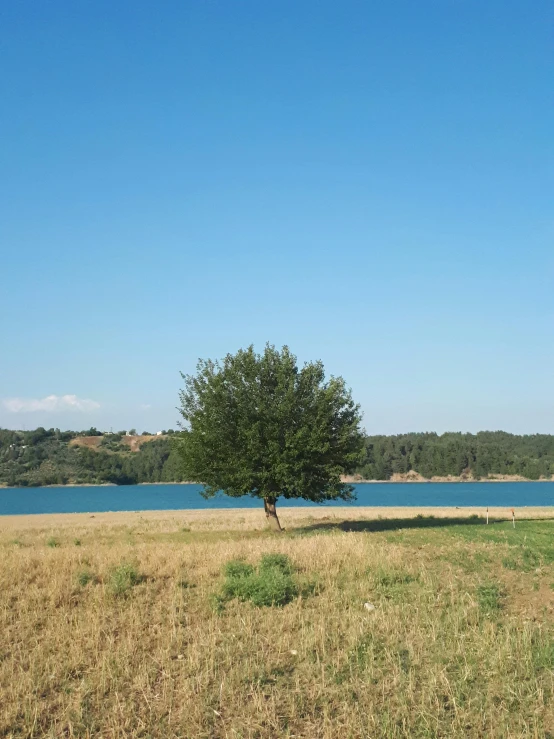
[236,569]
[77,542]
[84,577]
[490,598]
[510,563]
[276,562]
[52,542]
[122,578]
[527,561]
[531,560]
[271,584]
[392,578]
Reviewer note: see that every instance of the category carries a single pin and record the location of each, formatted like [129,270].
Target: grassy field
[128,626]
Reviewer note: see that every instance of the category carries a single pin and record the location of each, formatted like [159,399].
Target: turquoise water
[174,497]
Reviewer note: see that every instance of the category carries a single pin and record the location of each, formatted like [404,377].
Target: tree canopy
[257,424]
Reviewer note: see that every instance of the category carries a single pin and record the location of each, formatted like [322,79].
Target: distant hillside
[470,456]
[54,457]
[134,442]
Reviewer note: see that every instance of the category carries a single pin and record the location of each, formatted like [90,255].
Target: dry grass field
[111,626]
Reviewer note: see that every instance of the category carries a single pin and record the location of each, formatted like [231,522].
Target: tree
[258,425]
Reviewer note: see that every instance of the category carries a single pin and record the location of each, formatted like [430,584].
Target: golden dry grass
[460,644]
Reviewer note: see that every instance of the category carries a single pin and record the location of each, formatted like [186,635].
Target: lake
[96,499]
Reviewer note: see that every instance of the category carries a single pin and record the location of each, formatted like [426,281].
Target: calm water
[174,497]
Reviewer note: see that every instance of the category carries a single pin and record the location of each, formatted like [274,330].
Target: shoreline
[239,518]
[350,479]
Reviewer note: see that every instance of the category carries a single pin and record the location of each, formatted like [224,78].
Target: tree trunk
[271,514]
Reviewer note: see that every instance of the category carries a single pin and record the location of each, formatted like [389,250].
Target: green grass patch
[390,579]
[524,560]
[84,577]
[490,597]
[272,583]
[123,578]
[53,542]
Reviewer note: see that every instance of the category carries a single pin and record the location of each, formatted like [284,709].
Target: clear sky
[369,182]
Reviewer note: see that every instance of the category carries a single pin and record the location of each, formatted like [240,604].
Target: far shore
[410,477]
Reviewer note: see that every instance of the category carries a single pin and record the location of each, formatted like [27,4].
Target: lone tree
[257,424]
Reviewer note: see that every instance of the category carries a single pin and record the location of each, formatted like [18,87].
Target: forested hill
[57,457]
[54,457]
[457,454]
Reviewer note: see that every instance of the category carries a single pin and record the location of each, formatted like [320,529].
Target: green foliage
[84,577]
[490,598]
[52,542]
[237,569]
[389,579]
[271,584]
[122,578]
[527,560]
[259,425]
[279,562]
[45,457]
[40,457]
[459,454]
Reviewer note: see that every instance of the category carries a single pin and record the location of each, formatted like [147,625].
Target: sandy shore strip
[253,518]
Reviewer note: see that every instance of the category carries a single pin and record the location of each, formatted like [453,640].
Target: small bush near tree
[272,583]
[84,577]
[122,578]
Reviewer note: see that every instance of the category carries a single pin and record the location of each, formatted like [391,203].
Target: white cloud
[145,406]
[51,403]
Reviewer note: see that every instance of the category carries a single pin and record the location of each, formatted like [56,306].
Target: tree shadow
[394,524]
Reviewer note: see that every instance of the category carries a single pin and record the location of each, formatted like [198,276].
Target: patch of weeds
[272,676]
[490,598]
[236,569]
[392,583]
[272,583]
[369,651]
[528,560]
[53,542]
[279,562]
[184,583]
[84,577]
[390,579]
[542,651]
[17,543]
[404,659]
[310,587]
[77,542]
[123,578]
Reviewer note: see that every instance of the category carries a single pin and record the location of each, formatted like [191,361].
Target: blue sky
[369,182]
